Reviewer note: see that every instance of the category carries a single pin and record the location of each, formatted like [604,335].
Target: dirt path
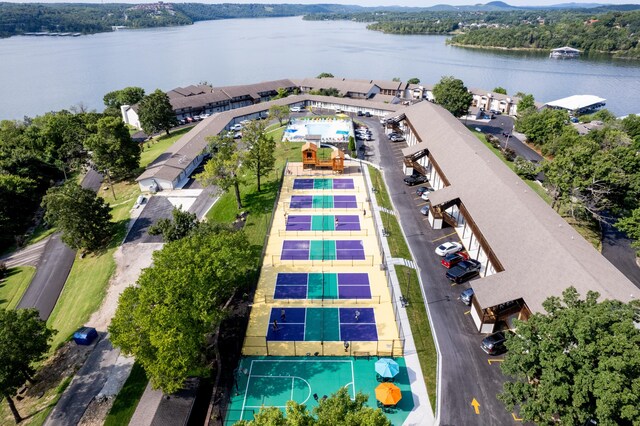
[131,259]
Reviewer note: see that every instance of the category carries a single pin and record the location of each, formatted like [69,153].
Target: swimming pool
[329,129]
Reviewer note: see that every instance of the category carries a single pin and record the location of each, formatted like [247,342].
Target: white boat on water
[564,52]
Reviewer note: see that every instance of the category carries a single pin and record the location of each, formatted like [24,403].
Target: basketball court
[271,382]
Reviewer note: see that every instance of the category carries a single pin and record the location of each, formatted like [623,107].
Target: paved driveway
[465,371]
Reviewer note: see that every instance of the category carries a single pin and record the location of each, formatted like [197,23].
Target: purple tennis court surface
[322,250]
[323,223]
[323,202]
[319,285]
[323,183]
[322,324]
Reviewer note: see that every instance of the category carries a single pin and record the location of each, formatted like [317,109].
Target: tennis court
[319,285]
[323,223]
[323,202]
[322,250]
[322,325]
[323,183]
[271,382]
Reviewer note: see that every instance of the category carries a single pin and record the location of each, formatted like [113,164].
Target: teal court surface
[272,381]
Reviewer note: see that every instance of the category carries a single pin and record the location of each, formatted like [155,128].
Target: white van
[295,109]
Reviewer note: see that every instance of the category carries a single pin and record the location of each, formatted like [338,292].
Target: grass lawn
[258,204]
[416,311]
[87,282]
[420,328]
[127,400]
[380,188]
[14,285]
[158,145]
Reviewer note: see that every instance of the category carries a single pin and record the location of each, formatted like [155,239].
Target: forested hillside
[16,18]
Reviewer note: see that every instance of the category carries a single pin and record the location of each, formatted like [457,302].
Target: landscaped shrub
[525,168]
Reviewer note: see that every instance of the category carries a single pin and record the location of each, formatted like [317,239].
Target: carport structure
[528,251]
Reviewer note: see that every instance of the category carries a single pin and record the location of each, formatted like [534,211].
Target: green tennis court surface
[272,381]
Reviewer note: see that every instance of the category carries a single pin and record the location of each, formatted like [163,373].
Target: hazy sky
[417,3]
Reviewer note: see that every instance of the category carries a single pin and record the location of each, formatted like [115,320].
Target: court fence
[277,260]
[353,233]
[319,207]
[329,190]
[261,346]
[231,417]
[373,300]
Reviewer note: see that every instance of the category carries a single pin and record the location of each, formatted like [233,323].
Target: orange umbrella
[388,394]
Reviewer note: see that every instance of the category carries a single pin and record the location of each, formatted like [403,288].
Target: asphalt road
[465,371]
[498,127]
[85,385]
[616,247]
[155,208]
[54,266]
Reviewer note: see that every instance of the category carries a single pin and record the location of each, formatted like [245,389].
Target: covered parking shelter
[528,252]
[578,104]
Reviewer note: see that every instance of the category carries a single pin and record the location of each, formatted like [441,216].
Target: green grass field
[14,285]
[158,145]
[127,400]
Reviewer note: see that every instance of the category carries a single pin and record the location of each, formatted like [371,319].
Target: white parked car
[425,194]
[236,127]
[448,247]
[295,109]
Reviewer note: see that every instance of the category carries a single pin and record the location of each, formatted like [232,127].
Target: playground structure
[310,158]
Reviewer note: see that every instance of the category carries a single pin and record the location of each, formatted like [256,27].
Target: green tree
[112,149]
[631,226]
[352,145]
[279,112]
[18,199]
[156,113]
[580,360]
[182,225]
[331,91]
[526,103]
[82,216]
[325,75]
[337,410]
[631,125]
[541,126]
[524,168]
[282,93]
[500,90]
[260,156]
[452,94]
[396,79]
[166,319]
[413,80]
[24,340]
[127,96]
[223,170]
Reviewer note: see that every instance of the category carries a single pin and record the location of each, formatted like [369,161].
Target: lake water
[40,74]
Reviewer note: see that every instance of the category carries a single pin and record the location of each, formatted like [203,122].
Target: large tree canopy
[223,170]
[260,156]
[112,149]
[578,361]
[24,340]
[165,319]
[83,217]
[182,224]
[127,96]
[452,94]
[337,410]
[156,113]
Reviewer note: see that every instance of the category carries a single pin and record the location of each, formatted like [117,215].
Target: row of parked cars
[461,268]
[193,119]
[363,132]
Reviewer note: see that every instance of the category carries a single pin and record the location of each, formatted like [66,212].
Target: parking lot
[466,373]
